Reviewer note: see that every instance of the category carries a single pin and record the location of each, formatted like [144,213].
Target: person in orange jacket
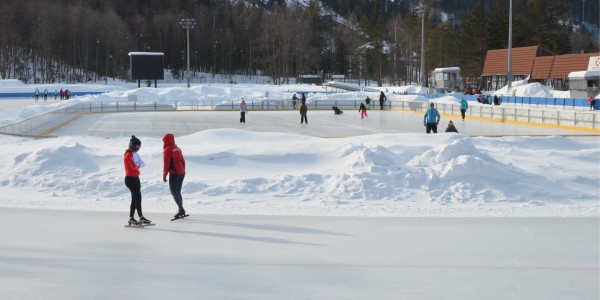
[174,165]
[592,103]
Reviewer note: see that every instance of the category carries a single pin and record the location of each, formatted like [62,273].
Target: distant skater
[451,127]
[464,105]
[303,111]
[431,119]
[294,101]
[592,103]
[382,98]
[243,111]
[133,163]
[37,94]
[45,95]
[174,165]
[363,111]
[368,103]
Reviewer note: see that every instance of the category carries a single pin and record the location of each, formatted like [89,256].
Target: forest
[377,41]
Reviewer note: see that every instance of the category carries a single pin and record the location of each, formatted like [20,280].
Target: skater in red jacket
[133,163]
[174,165]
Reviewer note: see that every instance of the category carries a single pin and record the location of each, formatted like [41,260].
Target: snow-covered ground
[232,170]
[278,215]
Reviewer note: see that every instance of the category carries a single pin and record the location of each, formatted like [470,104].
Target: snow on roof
[146,53]
[584,75]
[447,70]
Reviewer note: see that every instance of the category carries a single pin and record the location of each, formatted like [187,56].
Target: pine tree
[497,25]
[473,42]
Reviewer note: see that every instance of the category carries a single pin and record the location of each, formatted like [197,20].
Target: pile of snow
[231,171]
[10,83]
[535,89]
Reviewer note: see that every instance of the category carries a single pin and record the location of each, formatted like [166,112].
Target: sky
[236,171]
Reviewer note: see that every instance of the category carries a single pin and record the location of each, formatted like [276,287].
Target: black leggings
[242,117]
[303,119]
[133,184]
[175,184]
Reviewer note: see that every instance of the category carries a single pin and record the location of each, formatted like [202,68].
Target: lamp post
[510,75]
[187,24]
[423,45]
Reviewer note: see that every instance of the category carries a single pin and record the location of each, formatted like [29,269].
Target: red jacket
[131,169]
[173,161]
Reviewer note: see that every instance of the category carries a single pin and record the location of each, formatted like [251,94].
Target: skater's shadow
[271,227]
[239,237]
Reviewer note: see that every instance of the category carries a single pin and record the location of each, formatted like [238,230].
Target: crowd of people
[64,94]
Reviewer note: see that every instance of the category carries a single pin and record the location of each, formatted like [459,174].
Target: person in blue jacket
[463,107]
[431,119]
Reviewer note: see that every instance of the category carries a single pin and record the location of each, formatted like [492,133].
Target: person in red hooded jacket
[174,165]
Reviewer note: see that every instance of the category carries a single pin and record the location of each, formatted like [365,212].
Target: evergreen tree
[497,25]
[473,42]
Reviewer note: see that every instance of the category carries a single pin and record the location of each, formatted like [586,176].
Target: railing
[43,124]
[566,103]
[572,118]
[50,94]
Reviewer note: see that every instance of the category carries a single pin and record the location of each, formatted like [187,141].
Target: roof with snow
[447,70]
[146,53]
[535,61]
[585,75]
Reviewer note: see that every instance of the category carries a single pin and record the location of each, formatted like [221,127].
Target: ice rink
[89,255]
[321,123]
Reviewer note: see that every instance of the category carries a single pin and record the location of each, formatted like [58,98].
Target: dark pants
[462,113]
[175,184]
[303,119]
[430,127]
[242,117]
[592,103]
[133,184]
[381,104]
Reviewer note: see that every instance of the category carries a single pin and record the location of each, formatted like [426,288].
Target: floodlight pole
[423,46]
[187,24]
[509,78]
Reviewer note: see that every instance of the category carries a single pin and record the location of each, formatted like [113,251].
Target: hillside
[378,40]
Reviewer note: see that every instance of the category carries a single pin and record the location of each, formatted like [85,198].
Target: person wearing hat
[431,119]
[133,163]
[363,111]
[451,127]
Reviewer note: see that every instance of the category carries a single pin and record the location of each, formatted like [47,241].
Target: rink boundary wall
[43,125]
